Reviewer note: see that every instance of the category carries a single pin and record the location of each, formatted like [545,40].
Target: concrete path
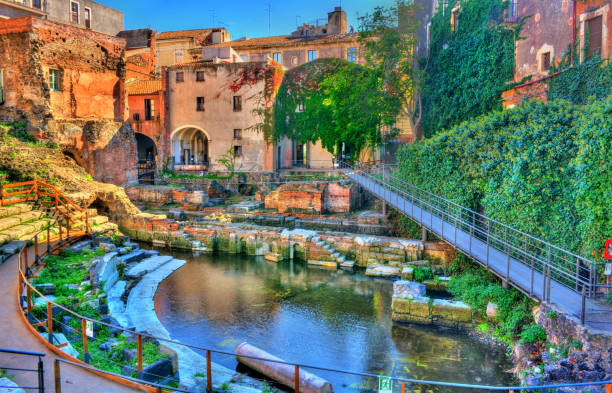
[14,334]
[599,316]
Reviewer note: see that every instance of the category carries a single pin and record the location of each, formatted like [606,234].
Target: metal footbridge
[535,267]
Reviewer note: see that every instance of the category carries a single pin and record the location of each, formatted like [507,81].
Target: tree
[340,103]
[389,38]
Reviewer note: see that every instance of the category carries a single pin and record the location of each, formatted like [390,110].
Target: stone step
[147,266]
[273,257]
[327,264]
[14,220]
[11,210]
[347,265]
[21,232]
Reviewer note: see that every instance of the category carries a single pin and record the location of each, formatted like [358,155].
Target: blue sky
[240,17]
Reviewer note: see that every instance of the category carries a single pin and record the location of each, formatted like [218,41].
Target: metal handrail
[18,352]
[569,269]
[40,370]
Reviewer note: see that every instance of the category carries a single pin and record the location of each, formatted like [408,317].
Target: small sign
[385,385]
[89,329]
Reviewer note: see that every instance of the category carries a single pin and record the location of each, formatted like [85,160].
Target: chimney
[336,21]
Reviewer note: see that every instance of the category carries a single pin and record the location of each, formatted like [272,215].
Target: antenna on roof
[212,17]
[269,19]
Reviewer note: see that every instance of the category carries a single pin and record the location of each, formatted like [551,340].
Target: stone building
[68,83]
[147,116]
[82,13]
[141,54]
[210,111]
[185,46]
[306,44]
[549,32]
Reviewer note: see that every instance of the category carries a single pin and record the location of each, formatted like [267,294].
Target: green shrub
[542,168]
[422,273]
[533,334]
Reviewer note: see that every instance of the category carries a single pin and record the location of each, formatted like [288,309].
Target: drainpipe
[573,33]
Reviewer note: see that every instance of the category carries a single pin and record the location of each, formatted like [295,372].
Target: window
[300,107]
[278,57]
[294,60]
[179,57]
[312,55]
[74,12]
[512,10]
[87,18]
[37,4]
[149,109]
[200,76]
[595,36]
[136,116]
[180,77]
[351,55]
[545,61]
[237,151]
[54,80]
[200,104]
[237,133]
[237,103]
[455,19]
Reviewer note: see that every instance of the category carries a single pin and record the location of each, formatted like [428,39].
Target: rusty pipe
[282,373]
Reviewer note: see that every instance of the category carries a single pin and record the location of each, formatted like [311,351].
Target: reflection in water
[309,315]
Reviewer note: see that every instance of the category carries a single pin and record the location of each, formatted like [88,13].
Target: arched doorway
[147,153]
[190,147]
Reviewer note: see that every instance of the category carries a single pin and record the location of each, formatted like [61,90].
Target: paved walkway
[14,334]
[599,316]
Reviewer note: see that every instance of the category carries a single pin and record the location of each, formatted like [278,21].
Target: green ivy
[331,101]
[590,79]
[541,168]
[467,70]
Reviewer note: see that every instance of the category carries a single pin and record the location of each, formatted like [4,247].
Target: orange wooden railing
[46,195]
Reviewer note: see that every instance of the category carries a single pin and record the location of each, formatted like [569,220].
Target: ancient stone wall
[86,111]
[106,149]
[341,197]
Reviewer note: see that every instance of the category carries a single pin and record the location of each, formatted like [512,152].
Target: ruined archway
[75,155]
[101,207]
[190,148]
[147,157]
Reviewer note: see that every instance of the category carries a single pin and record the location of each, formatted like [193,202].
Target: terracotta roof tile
[169,35]
[286,40]
[144,87]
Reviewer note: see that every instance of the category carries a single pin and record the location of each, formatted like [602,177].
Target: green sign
[385,385]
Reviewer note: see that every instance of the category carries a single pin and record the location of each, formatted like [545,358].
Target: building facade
[82,13]
[185,46]
[141,54]
[211,112]
[68,84]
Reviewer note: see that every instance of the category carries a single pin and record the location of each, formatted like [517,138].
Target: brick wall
[86,117]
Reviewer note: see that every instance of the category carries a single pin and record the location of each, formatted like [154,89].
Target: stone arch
[146,147]
[190,146]
[75,155]
[102,207]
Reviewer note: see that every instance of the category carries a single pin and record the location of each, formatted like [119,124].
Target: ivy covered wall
[468,67]
[541,168]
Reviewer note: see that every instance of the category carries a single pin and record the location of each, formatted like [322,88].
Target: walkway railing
[39,370]
[26,289]
[499,247]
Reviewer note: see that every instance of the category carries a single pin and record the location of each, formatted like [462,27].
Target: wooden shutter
[595,36]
